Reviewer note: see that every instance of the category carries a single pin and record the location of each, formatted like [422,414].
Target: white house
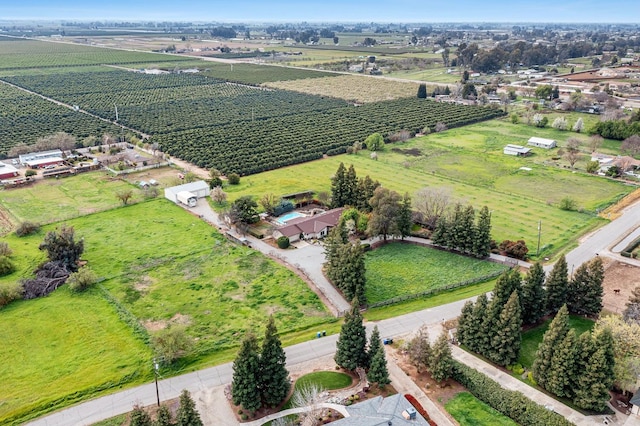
[198,189]
[542,142]
[517,150]
[304,228]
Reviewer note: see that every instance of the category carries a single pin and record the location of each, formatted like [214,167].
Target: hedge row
[628,251]
[512,404]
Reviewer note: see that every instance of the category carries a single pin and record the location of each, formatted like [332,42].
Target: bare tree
[124,196]
[631,145]
[595,142]
[431,204]
[572,153]
[309,397]
[269,202]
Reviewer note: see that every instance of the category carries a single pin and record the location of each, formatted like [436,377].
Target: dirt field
[618,276]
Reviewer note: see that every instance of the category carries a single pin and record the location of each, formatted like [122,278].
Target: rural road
[215,377]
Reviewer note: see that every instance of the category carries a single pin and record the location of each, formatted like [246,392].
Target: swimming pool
[282,220]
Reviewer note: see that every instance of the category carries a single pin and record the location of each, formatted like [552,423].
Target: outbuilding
[542,142]
[198,189]
[7,171]
[42,159]
[517,150]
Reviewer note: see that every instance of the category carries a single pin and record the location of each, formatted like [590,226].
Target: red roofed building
[305,228]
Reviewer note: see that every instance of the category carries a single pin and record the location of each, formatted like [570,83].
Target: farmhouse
[392,410]
[42,159]
[542,142]
[517,150]
[7,171]
[187,194]
[309,227]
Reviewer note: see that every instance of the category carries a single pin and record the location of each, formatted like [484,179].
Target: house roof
[535,139]
[312,224]
[517,148]
[7,168]
[636,398]
[196,186]
[380,411]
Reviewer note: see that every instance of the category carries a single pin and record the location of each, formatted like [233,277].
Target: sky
[591,11]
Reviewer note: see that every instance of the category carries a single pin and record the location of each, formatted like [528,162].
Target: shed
[41,159]
[7,171]
[542,142]
[198,188]
[517,150]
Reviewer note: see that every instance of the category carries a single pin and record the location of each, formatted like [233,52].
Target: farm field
[398,269]
[213,287]
[351,88]
[434,75]
[54,200]
[470,411]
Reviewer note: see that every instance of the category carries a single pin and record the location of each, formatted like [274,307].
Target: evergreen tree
[551,340]
[164,416]
[333,243]
[631,313]
[274,377]
[440,235]
[585,347]
[365,190]
[420,348]
[562,366]
[556,284]
[338,195]
[404,217]
[465,324]
[246,372]
[139,417]
[457,232]
[576,289]
[385,209]
[467,229]
[351,187]
[351,350]
[476,341]
[603,339]
[592,392]
[506,341]
[533,298]
[584,292]
[378,372]
[422,91]
[482,234]
[349,273]
[506,284]
[375,342]
[187,413]
[441,361]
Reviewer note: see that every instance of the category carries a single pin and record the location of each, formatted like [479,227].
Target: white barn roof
[534,140]
[194,187]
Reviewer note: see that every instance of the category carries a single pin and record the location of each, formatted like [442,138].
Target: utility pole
[539,230]
[155,370]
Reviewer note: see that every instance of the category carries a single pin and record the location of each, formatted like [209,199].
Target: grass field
[402,269]
[517,198]
[54,200]
[353,88]
[532,338]
[327,380]
[164,266]
[470,411]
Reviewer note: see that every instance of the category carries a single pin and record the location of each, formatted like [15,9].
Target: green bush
[27,228]
[30,173]
[9,293]
[5,250]
[568,203]
[6,266]
[81,280]
[234,178]
[283,242]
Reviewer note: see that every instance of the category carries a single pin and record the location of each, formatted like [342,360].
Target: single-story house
[634,417]
[41,159]
[305,228]
[7,171]
[199,189]
[393,410]
[517,150]
[542,142]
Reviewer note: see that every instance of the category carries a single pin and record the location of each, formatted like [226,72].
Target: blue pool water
[287,217]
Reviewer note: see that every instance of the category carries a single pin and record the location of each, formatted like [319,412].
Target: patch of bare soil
[619,281]
[162,324]
[6,225]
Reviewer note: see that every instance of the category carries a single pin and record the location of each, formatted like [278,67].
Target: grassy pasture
[395,269]
[532,338]
[54,200]
[470,411]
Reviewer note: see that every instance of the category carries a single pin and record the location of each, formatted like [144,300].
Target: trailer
[187,198]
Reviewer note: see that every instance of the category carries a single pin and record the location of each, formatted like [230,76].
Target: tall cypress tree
[592,392]
[351,187]
[338,196]
[482,234]
[246,371]
[349,271]
[139,417]
[533,296]
[366,187]
[441,362]
[422,91]
[164,416]
[375,342]
[187,414]
[603,339]
[467,229]
[476,341]
[404,217]
[593,292]
[465,324]
[334,242]
[562,366]
[506,284]
[440,235]
[378,372]
[576,289]
[351,348]
[506,342]
[274,377]
[456,232]
[551,340]
[585,347]
[420,348]
[556,284]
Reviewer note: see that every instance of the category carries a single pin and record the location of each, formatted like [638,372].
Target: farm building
[7,171]
[542,142]
[305,228]
[187,194]
[41,159]
[635,404]
[394,409]
[517,150]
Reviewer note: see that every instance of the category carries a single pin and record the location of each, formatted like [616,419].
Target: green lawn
[398,269]
[518,199]
[532,338]
[470,411]
[163,265]
[327,380]
[54,200]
